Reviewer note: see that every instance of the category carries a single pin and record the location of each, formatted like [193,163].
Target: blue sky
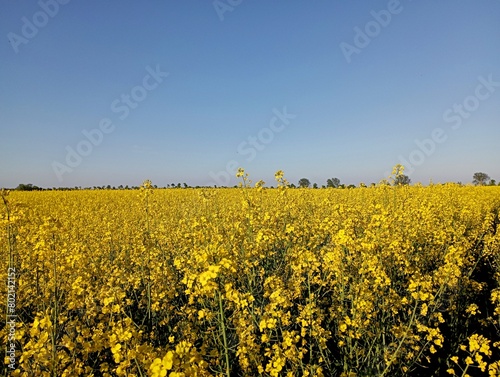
[355,84]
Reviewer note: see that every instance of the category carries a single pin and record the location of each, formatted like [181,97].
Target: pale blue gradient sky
[353,120]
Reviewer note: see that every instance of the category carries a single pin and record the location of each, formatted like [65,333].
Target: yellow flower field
[371,281]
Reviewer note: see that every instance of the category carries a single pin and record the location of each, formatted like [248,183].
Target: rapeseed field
[252,281]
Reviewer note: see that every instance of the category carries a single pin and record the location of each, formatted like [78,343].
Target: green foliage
[304,183]
[401,180]
[333,182]
[480,179]
[27,187]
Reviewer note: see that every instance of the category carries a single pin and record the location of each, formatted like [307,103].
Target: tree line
[478,179]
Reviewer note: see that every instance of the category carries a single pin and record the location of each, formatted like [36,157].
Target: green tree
[27,187]
[480,179]
[333,182]
[402,180]
[304,183]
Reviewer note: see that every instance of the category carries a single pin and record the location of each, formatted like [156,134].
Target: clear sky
[115,92]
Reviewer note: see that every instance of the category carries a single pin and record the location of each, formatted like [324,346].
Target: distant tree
[304,183]
[185,185]
[480,179]
[27,187]
[333,182]
[315,185]
[108,187]
[402,180]
[398,178]
[292,185]
[493,182]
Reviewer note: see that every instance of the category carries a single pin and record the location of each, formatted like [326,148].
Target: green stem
[224,338]
[402,340]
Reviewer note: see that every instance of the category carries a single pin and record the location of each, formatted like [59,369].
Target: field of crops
[371,281]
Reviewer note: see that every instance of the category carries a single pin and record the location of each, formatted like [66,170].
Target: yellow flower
[168,360]
[472,309]
[240,172]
